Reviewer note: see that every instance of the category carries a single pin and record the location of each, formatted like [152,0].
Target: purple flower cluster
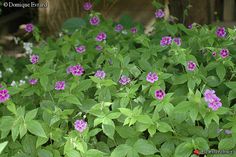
[76,70]
[87,6]
[101,36]
[166,40]
[34,59]
[60,85]
[191,66]
[119,28]
[100,74]
[94,20]
[160,94]
[80,125]
[221,32]
[29,27]
[212,100]
[159,14]
[33,81]
[4,96]
[224,53]
[134,30]
[80,49]
[177,41]
[124,80]
[151,77]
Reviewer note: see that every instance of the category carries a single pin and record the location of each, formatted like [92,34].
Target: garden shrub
[107,89]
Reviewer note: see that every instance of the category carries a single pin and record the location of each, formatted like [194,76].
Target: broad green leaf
[121,150]
[144,147]
[226,144]
[35,128]
[44,153]
[164,127]
[31,114]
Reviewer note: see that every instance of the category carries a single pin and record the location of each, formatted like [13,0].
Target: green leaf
[226,144]
[11,107]
[108,127]
[31,114]
[221,71]
[144,147]
[231,85]
[35,128]
[144,119]
[44,153]
[213,81]
[164,127]
[121,150]
[40,141]
[184,150]
[44,81]
[126,111]
[73,100]
[3,145]
[84,85]
[94,153]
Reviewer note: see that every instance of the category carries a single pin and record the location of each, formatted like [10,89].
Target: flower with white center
[9,70]
[13,83]
[22,82]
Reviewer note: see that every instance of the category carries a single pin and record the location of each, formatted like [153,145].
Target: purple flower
[68,70]
[29,27]
[4,96]
[34,59]
[124,80]
[190,26]
[213,54]
[76,70]
[119,28]
[166,40]
[224,53]
[134,30]
[177,41]
[80,49]
[100,74]
[94,20]
[101,36]
[159,14]
[151,77]
[191,66]
[33,81]
[160,94]
[212,100]
[98,48]
[214,105]
[220,32]
[80,125]
[60,85]
[87,6]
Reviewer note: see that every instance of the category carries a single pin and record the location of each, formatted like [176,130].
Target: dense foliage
[107,89]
